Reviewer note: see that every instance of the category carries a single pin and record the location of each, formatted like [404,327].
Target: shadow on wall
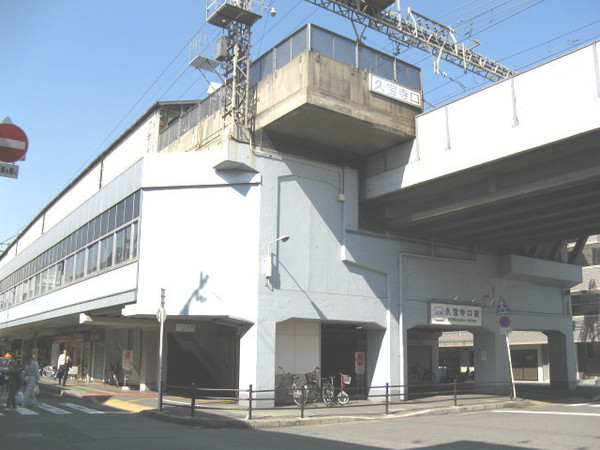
[196,295]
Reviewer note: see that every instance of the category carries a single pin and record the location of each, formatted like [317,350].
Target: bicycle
[415,376]
[114,375]
[48,371]
[328,390]
[286,389]
[312,385]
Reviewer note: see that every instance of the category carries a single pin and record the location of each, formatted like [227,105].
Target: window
[134,245]
[80,264]
[69,266]
[25,292]
[60,271]
[106,252]
[92,261]
[123,245]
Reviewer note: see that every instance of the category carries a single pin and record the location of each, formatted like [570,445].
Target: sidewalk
[224,413]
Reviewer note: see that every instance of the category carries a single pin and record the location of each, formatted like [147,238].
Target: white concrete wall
[199,238]
[551,102]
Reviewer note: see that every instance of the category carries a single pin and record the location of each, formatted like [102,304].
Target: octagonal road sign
[13,142]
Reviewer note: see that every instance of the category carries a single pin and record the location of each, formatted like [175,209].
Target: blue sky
[76,73]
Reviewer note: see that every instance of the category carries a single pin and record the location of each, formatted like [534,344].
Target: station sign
[453,314]
[393,90]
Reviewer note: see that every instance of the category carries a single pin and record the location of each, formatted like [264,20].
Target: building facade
[178,206]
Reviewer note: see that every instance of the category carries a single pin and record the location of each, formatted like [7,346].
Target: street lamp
[267,262]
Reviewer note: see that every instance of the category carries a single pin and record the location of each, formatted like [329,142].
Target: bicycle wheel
[312,392]
[343,397]
[414,378]
[298,394]
[328,394]
[428,377]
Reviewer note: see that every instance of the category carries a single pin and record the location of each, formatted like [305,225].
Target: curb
[292,422]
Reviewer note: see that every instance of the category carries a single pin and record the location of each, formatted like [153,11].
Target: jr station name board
[452,314]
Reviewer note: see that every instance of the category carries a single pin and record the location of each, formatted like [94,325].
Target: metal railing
[380,400]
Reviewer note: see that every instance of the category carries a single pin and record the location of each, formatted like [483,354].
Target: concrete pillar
[491,359]
[149,361]
[563,360]
[257,361]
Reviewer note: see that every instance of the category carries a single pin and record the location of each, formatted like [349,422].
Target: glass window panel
[18,290]
[120,220]
[123,245]
[385,66]
[92,258]
[104,223]
[112,218]
[322,42]
[44,280]
[299,43]
[31,287]
[69,266]
[129,208]
[51,277]
[283,54]
[25,291]
[366,59]
[136,204]
[344,50]
[60,272]
[80,264]
[134,241]
[38,284]
[106,252]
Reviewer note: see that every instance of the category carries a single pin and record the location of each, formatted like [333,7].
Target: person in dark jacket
[15,383]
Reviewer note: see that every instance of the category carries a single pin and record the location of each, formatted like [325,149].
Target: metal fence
[383,400]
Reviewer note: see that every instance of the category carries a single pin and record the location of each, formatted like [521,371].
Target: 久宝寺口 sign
[452,314]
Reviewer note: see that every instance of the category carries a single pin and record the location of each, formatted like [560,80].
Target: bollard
[250,402]
[303,401]
[387,398]
[160,396]
[193,402]
[455,394]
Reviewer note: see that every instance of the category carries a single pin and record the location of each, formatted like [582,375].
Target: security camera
[272,12]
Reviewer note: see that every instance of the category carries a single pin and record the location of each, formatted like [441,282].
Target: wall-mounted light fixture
[267,262]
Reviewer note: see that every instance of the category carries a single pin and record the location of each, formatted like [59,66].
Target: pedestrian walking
[63,364]
[15,383]
[31,374]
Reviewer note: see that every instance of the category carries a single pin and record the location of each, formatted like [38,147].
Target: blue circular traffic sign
[504,321]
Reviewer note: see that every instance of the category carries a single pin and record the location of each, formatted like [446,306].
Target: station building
[271,255]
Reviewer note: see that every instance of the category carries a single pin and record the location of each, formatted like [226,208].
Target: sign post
[161,315]
[502,310]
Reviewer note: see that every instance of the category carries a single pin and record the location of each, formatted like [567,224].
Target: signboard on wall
[393,90]
[127,362]
[452,314]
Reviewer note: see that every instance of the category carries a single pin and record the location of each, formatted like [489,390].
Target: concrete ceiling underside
[540,196]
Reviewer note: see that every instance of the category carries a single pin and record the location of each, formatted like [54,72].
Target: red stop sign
[13,142]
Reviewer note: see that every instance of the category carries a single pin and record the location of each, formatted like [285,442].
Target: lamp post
[267,262]
[161,315]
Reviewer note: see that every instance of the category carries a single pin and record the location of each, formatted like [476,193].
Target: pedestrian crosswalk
[41,408]
[591,404]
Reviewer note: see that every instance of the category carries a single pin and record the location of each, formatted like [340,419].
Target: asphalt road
[67,423]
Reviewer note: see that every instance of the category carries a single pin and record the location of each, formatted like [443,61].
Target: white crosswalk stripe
[81,408]
[26,411]
[41,408]
[53,409]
